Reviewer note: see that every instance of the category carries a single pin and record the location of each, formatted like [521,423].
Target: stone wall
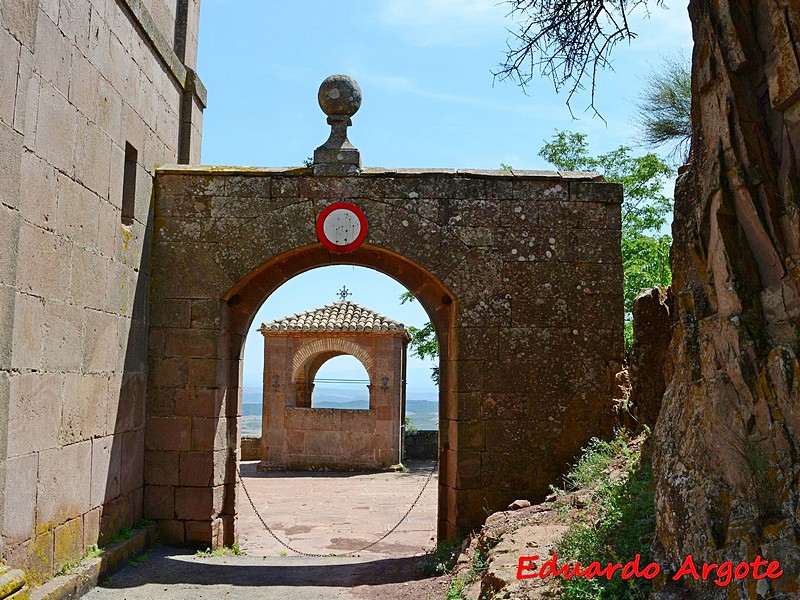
[337,439]
[79,80]
[296,436]
[421,444]
[495,258]
[250,448]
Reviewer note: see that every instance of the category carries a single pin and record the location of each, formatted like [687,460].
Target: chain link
[346,554]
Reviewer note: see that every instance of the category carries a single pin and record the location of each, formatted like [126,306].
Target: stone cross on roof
[338,316]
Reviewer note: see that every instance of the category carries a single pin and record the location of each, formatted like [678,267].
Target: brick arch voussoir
[316,347]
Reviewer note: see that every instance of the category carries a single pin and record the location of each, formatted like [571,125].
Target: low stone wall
[418,445]
[251,447]
[421,444]
[335,439]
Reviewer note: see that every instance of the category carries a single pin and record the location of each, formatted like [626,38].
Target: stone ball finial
[339,95]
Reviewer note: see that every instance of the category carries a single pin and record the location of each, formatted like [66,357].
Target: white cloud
[452,23]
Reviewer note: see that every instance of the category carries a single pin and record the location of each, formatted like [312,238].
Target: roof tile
[338,316]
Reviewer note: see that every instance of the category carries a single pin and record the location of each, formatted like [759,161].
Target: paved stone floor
[339,512]
[316,512]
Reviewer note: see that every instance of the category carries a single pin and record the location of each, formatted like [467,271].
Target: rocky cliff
[727,441]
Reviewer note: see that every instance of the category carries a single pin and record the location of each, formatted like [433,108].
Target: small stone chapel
[297,436]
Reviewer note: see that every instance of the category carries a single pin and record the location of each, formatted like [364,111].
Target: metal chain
[346,554]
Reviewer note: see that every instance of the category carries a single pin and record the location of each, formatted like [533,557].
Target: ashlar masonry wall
[520,273]
[81,81]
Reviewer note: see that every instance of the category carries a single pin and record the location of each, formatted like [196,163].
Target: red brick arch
[318,346]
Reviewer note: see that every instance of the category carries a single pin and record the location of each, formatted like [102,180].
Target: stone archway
[520,273]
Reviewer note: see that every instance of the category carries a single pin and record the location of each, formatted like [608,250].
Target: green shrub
[625,527]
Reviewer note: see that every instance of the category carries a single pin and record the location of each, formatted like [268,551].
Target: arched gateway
[519,271]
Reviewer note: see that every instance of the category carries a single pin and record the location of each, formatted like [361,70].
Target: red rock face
[727,442]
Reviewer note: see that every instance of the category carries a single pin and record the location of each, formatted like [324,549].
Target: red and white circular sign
[341,227]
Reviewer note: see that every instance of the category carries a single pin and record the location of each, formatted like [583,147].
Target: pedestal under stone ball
[339,95]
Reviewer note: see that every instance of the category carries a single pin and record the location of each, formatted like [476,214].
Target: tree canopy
[664,108]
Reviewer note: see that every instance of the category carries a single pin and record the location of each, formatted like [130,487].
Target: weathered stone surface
[19,509]
[462,228]
[68,542]
[649,360]
[725,458]
[58,496]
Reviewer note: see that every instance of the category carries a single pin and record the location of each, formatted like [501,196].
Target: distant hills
[421,407]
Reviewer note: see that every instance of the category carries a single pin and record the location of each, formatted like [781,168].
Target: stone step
[11,581]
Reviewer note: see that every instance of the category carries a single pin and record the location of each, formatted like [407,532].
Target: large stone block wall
[78,80]
[520,272]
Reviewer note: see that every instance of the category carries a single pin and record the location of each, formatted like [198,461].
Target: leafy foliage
[423,339]
[664,107]
[596,458]
[233,550]
[645,250]
[625,527]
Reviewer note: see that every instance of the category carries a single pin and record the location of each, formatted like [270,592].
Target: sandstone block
[35,406]
[109,108]
[68,543]
[64,490]
[83,407]
[106,460]
[171,531]
[161,468]
[89,272]
[38,191]
[196,468]
[208,434]
[199,532]
[91,527]
[172,312]
[20,19]
[132,467]
[170,433]
[205,314]
[159,502]
[126,406]
[43,260]
[20,498]
[199,402]
[27,337]
[196,504]
[100,346]
[63,332]
[56,126]
[116,515]
[93,157]
[86,80]
[78,213]
[52,55]
[10,152]
[594,191]
[9,223]
[203,372]
[193,343]
[40,558]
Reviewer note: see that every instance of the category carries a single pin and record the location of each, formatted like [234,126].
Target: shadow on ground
[169,566]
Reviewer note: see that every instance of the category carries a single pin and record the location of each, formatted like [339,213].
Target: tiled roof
[339,316]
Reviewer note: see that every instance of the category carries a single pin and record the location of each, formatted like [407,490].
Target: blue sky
[429,100]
